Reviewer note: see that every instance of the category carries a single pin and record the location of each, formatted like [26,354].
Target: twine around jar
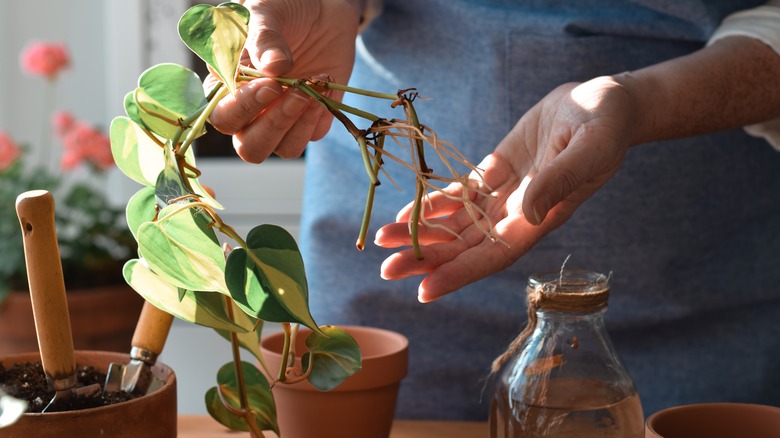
[569,293]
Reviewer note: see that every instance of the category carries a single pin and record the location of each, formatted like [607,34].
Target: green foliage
[193,265]
[183,250]
[166,94]
[267,279]
[202,308]
[258,395]
[333,355]
[217,35]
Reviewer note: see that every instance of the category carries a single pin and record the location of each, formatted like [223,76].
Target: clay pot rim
[401,340]
[714,408]
[110,356]
[373,374]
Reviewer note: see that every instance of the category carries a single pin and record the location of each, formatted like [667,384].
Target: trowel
[35,210]
[148,342]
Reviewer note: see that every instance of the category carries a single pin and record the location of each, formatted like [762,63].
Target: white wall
[24,112]
[111,43]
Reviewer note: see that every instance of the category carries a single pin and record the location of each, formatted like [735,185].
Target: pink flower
[45,59]
[9,151]
[85,143]
[63,122]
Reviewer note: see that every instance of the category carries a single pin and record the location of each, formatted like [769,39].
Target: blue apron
[689,228]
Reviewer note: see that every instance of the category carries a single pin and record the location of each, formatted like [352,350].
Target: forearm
[731,83]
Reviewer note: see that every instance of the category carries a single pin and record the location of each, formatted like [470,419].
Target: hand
[559,153]
[293,38]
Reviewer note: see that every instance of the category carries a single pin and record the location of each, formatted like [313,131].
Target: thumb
[267,49]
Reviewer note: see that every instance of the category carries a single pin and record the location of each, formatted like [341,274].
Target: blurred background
[110,44]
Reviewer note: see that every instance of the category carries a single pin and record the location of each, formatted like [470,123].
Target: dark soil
[27,381]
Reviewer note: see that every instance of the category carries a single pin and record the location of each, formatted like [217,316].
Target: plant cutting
[198,268]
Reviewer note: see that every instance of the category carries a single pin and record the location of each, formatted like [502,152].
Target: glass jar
[562,377]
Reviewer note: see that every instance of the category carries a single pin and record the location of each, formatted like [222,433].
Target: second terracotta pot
[722,420]
[151,416]
[361,407]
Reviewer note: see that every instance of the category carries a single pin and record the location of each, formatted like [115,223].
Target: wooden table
[197,426]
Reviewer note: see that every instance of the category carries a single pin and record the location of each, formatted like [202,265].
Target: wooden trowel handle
[47,286]
[152,329]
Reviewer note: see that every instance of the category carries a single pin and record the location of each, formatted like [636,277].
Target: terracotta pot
[102,318]
[361,407]
[722,420]
[150,416]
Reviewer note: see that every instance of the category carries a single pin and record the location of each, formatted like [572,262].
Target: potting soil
[27,381]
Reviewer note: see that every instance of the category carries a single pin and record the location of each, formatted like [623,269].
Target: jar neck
[592,315]
[568,292]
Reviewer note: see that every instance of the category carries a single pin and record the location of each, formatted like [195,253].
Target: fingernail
[266,95]
[294,104]
[272,56]
[423,297]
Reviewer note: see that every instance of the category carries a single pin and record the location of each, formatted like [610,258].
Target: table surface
[198,426]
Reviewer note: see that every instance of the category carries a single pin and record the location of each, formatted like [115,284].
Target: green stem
[249,71]
[234,346]
[361,241]
[201,120]
[249,417]
[423,172]
[362,143]
[285,352]
[360,91]
[328,102]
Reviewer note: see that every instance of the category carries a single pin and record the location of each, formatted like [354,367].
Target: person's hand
[297,39]
[558,154]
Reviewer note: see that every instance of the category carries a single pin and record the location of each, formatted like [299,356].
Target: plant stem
[249,417]
[361,241]
[423,172]
[234,345]
[367,160]
[201,120]
[285,352]
[249,71]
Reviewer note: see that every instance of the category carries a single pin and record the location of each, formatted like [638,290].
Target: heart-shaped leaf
[217,35]
[202,308]
[142,159]
[269,275]
[334,356]
[243,281]
[135,154]
[131,108]
[182,249]
[140,209]
[259,397]
[167,94]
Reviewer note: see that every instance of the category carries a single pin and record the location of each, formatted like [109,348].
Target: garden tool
[35,210]
[148,341]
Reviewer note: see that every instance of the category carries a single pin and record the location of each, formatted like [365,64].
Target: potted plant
[64,388]
[93,237]
[197,267]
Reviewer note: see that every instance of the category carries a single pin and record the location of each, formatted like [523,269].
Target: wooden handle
[47,285]
[152,329]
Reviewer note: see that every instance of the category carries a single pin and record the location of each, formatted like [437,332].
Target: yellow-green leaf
[202,308]
[217,35]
